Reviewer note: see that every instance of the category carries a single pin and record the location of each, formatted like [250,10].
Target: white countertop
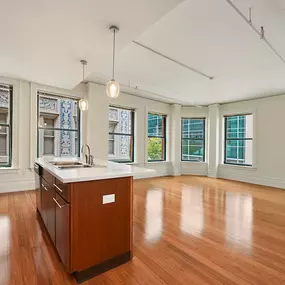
[110,170]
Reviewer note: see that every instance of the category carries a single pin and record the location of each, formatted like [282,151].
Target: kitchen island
[88,213]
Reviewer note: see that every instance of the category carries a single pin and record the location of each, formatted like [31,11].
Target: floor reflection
[154,215]
[192,211]
[4,248]
[239,212]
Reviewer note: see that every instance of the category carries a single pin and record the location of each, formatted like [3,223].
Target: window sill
[120,161]
[132,163]
[195,162]
[237,166]
[158,162]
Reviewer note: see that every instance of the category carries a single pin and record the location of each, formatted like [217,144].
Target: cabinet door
[100,230]
[39,195]
[48,209]
[51,214]
[62,225]
[44,191]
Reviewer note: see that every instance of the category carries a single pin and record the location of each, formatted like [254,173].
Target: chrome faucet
[88,158]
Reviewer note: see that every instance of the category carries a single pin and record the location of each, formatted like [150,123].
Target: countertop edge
[137,171]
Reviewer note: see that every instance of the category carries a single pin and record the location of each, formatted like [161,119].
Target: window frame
[204,139]
[79,113]
[113,140]
[163,137]
[132,135]
[9,126]
[45,136]
[234,139]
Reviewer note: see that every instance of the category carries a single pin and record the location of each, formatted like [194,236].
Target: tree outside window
[156,137]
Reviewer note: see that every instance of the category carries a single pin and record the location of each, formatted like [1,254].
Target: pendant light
[113,87]
[83,103]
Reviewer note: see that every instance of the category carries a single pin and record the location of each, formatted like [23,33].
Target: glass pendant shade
[113,89]
[83,104]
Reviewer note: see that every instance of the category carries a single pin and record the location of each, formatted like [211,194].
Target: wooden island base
[89,223]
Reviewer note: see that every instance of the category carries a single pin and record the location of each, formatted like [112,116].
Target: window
[238,139]
[121,135]
[48,137]
[156,137]
[6,99]
[112,128]
[193,139]
[58,126]
[76,127]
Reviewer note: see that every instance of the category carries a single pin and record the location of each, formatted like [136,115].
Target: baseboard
[195,173]
[259,180]
[17,186]
[161,169]
[194,168]
[164,174]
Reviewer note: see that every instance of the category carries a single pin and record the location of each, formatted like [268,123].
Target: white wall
[268,142]
[97,121]
[24,134]
[142,107]
[175,139]
[214,140]
[94,130]
[268,136]
[196,168]
[19,176]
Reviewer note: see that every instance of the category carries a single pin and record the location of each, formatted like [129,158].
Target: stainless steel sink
[67,164]
[73,164]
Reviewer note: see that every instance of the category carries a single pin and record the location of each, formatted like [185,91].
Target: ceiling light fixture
[113,87]
[83,103]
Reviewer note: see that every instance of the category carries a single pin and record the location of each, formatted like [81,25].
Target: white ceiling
[210,36]
[44,41]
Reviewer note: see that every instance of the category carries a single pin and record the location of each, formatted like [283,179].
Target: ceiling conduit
[260,32]
[175,61]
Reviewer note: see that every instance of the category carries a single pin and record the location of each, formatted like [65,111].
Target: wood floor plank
[4,203]
[187,230]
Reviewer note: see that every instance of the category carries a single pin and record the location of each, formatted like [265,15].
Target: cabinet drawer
[62,189]
[48,177]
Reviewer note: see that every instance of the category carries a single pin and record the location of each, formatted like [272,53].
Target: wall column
[214,140]
[97,121]
[175,139]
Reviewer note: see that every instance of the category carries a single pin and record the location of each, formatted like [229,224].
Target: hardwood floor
[187,230]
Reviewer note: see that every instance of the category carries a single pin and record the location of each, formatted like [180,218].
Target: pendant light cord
[83,78]
[83,73]
[114,47]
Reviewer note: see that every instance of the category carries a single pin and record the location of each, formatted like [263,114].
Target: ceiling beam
[175,61]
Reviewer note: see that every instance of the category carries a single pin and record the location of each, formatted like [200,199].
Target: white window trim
[197,116]
[16,84]
[195,113]
[167,135]
[33,114]
[114,157]
[232,111]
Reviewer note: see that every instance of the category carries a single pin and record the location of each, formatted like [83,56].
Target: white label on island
[107,199]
